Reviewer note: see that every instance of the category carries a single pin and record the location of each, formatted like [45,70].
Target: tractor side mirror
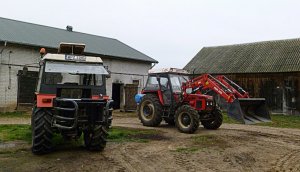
[108,76]
[25,70]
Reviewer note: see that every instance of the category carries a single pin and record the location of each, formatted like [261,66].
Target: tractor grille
[73,93]
[198,104]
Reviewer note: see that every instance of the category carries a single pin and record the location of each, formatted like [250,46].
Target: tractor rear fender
[138,97]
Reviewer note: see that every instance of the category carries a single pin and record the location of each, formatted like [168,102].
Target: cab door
[166,90]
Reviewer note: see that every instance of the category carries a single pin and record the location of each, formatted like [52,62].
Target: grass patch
[283,121]
[208,141]
[120,134]
[15,115]
[202,142]
[116,134]
[228,120]
[278,121]
[15,132]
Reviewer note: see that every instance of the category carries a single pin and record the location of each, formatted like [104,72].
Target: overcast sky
[170,31]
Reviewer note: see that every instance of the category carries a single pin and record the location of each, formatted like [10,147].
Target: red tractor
[70,99]
[169,95]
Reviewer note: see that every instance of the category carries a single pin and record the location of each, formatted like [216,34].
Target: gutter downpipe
[1,52]
[5,43]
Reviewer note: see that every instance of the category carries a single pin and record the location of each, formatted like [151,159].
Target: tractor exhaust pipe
[249,110]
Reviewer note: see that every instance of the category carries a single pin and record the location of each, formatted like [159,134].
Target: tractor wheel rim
[147,110]
[184,120]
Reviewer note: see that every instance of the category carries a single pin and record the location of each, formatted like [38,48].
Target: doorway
[26,88]
[116,95]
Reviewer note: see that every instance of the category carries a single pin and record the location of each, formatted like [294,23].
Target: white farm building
[20,43]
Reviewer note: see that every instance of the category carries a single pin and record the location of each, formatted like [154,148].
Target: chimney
[69,28]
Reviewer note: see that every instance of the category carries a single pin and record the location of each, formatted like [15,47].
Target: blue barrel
[138,98]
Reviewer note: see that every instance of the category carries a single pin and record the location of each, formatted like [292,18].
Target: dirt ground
[232,147]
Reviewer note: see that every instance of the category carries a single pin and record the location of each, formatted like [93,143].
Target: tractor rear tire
[95,138]
[150,111]
[186,119]
[216,122]
[41,131]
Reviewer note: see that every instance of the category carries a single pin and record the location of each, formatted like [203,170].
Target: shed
[269,69]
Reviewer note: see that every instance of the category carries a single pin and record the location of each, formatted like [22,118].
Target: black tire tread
[97,141]
[216,122]
[156,120]
[41,131]
[194,115]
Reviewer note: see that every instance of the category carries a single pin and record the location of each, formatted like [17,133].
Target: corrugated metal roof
[45,36]
[259,57]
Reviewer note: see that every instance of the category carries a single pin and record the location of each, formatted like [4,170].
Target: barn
[20,43]
[269,69]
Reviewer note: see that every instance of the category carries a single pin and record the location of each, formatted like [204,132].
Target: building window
[136,82]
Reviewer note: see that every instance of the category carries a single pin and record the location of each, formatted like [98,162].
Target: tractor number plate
[75,58]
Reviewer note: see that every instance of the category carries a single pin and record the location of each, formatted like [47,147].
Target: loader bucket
[249,110]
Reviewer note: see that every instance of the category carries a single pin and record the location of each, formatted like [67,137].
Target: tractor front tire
[95,138]
[186,119]
[150,111]
[214,123]
[41,131]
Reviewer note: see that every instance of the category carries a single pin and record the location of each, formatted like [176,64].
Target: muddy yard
[233,147]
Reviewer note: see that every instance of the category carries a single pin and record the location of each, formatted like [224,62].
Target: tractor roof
[168,70]
[74,58]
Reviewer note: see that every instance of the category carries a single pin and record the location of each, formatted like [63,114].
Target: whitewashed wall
[125,72]
[10,58]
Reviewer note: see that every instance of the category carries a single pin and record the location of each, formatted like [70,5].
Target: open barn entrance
[116,94]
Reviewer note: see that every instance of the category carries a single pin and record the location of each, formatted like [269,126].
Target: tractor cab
[71,76]
[167,82]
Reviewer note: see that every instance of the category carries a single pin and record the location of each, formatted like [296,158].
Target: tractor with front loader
[70,99]
[171,96]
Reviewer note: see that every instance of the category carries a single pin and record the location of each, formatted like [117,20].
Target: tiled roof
[259,57]
[44,36]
